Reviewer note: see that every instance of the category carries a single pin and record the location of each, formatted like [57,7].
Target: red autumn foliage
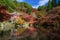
[51,17]
[50,22]
[29,18]
[4,15]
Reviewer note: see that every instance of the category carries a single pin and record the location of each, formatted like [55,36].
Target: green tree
[54,3]
[41,8]
[49,5]
[58,2]
[9,4]
[16,2]
[24,6]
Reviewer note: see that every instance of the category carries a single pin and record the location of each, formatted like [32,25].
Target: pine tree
[49,4]
[54,3]
[58,2]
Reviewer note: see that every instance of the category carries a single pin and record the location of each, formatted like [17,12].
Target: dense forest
[20,21]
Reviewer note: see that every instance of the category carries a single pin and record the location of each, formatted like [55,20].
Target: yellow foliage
[20,21]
